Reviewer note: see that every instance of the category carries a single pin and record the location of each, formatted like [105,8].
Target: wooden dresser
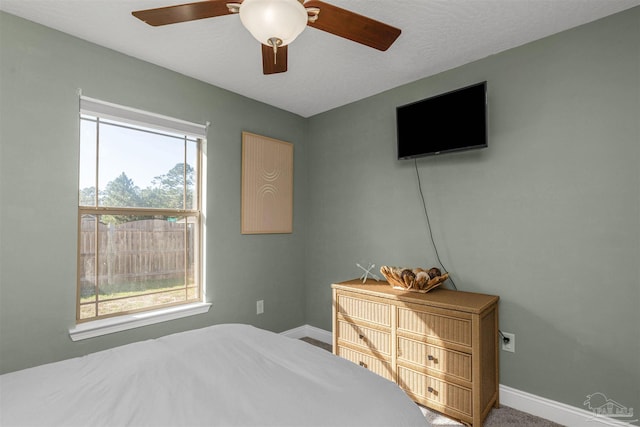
[440,347]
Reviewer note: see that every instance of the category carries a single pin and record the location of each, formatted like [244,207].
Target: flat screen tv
[452,121]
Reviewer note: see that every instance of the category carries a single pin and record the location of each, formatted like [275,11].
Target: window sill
[97,328]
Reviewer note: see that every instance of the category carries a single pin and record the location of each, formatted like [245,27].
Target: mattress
[222,375]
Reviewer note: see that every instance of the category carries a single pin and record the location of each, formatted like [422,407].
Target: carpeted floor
[503,416]
[498,417]
[317,343]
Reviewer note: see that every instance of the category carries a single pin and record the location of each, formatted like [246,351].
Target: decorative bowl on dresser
[440,347]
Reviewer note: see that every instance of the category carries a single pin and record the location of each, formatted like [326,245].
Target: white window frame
[132,116]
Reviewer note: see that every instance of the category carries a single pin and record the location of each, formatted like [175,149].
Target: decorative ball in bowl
[413,279]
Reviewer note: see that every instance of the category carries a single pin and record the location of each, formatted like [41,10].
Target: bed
[222,375]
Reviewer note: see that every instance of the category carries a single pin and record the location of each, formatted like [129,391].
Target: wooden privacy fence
[131,255]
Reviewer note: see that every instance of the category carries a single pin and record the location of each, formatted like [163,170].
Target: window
[139,211]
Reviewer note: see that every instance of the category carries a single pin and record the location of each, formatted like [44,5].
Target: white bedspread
[223,375]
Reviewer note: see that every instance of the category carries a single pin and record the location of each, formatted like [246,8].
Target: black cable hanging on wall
[426,214]
[503,338]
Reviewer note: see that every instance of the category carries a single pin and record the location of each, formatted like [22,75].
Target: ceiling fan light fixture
[274,19]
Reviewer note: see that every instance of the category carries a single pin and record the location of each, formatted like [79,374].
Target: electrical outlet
[259,306]
[511,344]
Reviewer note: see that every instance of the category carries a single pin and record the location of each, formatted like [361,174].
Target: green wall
[547,217]
[40,73]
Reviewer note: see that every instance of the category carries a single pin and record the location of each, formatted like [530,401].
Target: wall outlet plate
[511,345]
[260,307]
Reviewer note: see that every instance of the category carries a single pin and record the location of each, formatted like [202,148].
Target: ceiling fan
[276,23]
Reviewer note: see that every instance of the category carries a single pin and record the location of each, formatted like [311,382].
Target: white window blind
[107,110]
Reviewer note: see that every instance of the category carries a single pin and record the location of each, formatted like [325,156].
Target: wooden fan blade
[352,26]
[184,12]
[269,66]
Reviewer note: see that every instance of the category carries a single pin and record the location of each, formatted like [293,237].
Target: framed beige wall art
[267,185]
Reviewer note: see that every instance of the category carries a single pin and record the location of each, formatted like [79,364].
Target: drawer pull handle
[430,389]
[364,365]
[361,336]
[431,358]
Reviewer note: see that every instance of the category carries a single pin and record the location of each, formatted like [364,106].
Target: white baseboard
[551,410]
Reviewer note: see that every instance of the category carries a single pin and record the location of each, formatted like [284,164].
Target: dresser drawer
[353,308]
[379,366]
[436,391]
[374,340]
[437,326]
[435,358]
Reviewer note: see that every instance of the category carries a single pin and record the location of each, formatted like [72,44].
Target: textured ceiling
[325,71]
